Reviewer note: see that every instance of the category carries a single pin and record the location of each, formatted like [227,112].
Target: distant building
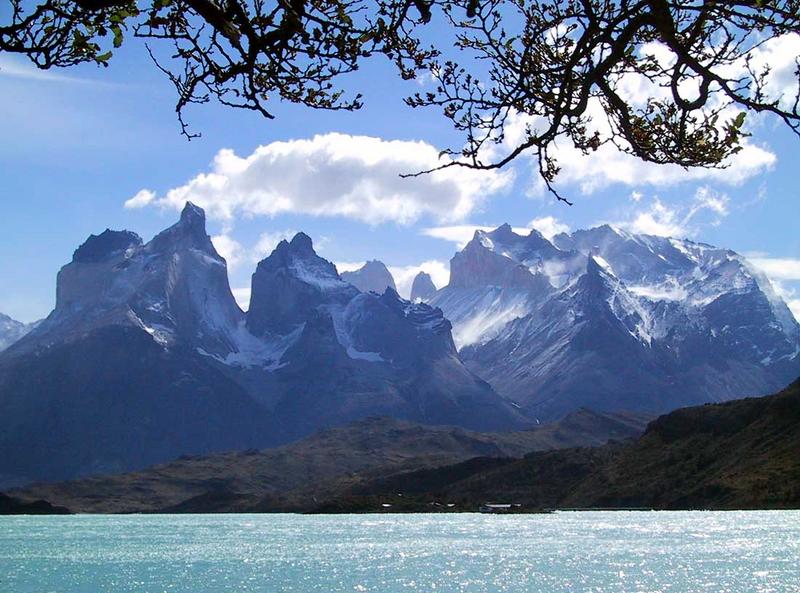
[498,507]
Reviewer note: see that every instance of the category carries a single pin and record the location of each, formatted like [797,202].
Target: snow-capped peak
[174,287]
[289,284]
[188,232]
[598,263]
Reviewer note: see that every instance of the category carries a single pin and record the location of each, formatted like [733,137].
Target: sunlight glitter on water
[589,552]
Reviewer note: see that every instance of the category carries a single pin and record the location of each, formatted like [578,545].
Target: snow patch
[250,351]
[368,356]
[315,275]
[671,290]
[338,315]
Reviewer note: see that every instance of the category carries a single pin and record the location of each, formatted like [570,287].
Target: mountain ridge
[12,331]
[147,356]
[292,476]
[739,454]
[649,322]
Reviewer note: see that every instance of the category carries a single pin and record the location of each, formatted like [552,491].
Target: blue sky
[88,148]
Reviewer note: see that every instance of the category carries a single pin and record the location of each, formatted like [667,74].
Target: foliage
[550,66]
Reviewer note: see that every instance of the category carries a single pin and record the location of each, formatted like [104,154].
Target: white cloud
[609,166]
[549,226]
[778,57]
[349,266]
[235,253]
[794,307]
[142,198]
[709,199]
[242,296]
[678,220]
[357,177]
[778,268]
[404,275]
[267,242]
[658,219]
[24,69]
[229,248]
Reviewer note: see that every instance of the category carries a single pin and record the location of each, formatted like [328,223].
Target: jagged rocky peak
[409,333]
[596,285]
[423,287]
[107,244]
[504,234]
[599,289]
[690,321]
[11,330]
[486,261]
[373,276]
[596,265]
[290,284]
[188,232]
[175,287]
[302,244]
[298,259]
[529,249]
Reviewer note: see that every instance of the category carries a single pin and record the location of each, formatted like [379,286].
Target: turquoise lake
[588,552]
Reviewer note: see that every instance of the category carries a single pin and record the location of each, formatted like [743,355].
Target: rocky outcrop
[626,321]
[12,330]
[422,288]
[373,276]
[290,284]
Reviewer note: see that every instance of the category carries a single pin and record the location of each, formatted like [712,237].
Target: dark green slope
[740,454]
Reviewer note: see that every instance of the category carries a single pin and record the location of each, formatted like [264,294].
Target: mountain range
[612,320]
[318,467]
[147,356]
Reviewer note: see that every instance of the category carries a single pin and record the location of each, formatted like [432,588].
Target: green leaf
[118,36]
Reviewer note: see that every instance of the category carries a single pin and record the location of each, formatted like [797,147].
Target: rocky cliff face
[625,322]
[423,288]
[351,354]
[118,376]
[373,276]
[290,284]
[146,357]
[175,288]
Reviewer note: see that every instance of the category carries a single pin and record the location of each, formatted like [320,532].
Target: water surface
[589,552]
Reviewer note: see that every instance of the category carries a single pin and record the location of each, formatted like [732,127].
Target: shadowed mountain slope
[147,357]
[738,454]
[296,476]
